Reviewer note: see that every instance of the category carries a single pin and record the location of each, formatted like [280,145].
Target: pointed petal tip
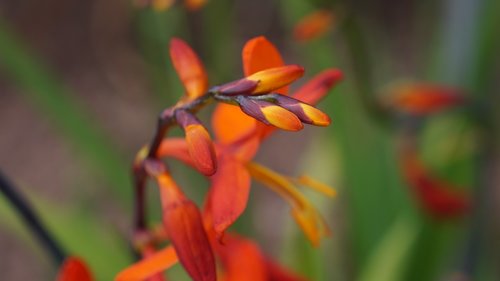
[189,68]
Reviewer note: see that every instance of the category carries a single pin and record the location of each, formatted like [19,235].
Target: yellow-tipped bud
[275,78]
[282,118]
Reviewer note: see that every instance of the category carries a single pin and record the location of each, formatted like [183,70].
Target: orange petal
[189,68]
[438,198]
[177,148]
[242,260]
[313,25]
[194,5]
[184,226]
[260,54]
[200,145]
[229,193]
[155,263]
[314,90]
[74,269]
[422,99]
[230,124]
[272,79]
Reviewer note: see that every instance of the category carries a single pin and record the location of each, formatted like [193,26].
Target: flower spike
[200,145]
[189,68]
[184,226]
[269,113]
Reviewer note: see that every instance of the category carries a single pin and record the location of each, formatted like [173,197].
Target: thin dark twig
[32,220]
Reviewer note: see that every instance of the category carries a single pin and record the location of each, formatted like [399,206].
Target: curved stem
[31,220]
[140,175]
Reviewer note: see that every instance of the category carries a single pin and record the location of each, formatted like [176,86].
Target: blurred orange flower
[421,98]
[313,25]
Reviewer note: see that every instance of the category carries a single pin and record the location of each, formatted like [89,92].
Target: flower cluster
[249,110]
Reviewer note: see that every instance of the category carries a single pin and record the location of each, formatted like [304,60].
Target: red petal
[314,90]
[242,260]
[229,193]
[438,198]
[189,67]
[184,226]
[74,269]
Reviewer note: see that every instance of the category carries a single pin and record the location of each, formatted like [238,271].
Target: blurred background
[82,83]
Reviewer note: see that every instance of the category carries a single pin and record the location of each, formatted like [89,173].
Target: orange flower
[313,25]
[238,139]
[438,198]
[422,99]
[74,269]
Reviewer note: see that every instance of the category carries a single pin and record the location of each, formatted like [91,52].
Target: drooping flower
[313,25]
[421,98]
[74,269]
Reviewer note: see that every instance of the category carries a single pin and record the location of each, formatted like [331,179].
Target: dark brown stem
[165,121]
